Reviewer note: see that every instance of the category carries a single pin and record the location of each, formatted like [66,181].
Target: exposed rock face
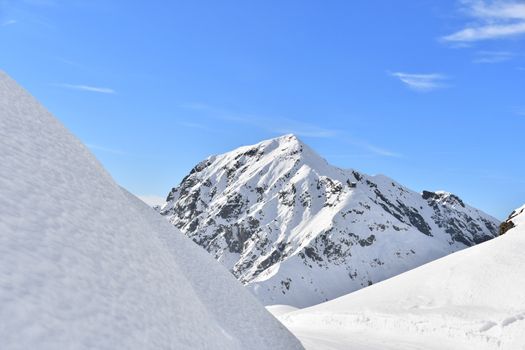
[298,231]
[509,223]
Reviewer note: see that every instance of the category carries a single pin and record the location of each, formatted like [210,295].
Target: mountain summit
[299,231]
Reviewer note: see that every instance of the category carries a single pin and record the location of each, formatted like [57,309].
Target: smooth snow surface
[472,299]
[85,265]
[280,310]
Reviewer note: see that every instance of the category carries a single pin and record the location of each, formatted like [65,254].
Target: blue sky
[428,92]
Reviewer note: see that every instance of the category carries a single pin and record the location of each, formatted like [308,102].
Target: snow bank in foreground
[473,299]
[279,310]
[84,265]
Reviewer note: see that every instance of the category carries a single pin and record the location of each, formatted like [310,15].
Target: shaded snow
[85,265]
[280,310]
[471,299]
[152,201]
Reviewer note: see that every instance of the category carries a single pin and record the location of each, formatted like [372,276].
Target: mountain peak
[288,138]
[299,231]
[283,148]
[285,142]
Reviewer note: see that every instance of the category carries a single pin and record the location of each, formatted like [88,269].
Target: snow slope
[298,231]
[473,299]
[85,265]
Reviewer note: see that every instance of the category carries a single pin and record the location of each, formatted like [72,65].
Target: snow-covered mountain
[298,231]
[85,265]
[472,299]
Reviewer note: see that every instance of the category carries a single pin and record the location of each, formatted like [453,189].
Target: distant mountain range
[298,231]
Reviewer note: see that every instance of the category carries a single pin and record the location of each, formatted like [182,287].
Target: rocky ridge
[299,231]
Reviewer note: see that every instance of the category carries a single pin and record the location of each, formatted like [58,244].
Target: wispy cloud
[422,82]
[371,149]
[383,152]
[493,56]
[274,125]
[520,111]
[492,20]
[349,155]
[69,62]
[198,126]
[8,22]
[101,90]
[290,126]
[285,126]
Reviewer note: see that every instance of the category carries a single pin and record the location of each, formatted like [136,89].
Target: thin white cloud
[70,62]
[421,82]
[349,155]
[290,126]
[496,9]
[287,126]
[101,90]
[383,152]
[8,22]
[495,31]
[493,56]
[274,125]
[372,149]
[495,19]
[520,111]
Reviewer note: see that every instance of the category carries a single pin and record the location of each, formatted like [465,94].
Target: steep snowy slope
[298,231]
[473,299]
[84,265]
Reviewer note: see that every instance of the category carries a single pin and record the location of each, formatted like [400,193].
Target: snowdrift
[85,265]
[472,299]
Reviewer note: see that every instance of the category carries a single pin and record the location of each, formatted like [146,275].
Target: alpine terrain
[86,265]
[298,231]
[472,299]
